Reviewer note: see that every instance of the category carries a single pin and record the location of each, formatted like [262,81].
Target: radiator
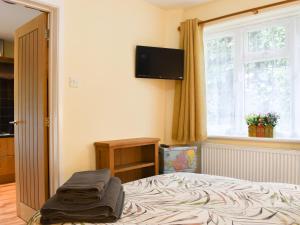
[254,164]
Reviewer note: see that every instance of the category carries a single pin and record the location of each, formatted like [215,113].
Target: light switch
[73,83]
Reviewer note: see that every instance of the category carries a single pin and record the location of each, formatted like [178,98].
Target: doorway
[31,116]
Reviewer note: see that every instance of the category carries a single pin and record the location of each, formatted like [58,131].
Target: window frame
[242,56]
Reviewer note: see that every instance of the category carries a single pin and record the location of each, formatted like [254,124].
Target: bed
[195,199]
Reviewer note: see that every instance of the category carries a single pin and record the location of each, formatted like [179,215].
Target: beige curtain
[189,118]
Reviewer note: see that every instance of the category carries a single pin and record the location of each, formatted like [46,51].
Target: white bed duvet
[196,199]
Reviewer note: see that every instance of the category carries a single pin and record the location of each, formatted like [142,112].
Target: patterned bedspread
[196,199]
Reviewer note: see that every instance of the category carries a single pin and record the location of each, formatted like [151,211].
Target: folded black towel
[84,187]
[84,217]
[108,209]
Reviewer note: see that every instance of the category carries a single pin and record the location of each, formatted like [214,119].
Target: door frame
[55,87]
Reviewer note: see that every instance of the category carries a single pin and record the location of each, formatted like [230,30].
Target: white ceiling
[171,4]
[12,17]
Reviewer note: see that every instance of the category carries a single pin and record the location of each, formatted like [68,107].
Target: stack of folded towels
[90,196]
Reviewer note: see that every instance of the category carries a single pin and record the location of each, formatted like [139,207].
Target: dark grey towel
[85,217]
[108,209]
[84,187]
[108,202]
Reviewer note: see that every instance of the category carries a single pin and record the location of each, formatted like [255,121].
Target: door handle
[15,122]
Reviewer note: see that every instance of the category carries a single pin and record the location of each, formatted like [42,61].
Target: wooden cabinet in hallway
[7,160]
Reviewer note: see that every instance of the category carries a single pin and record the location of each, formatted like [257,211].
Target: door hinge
[47,34]
[47,122]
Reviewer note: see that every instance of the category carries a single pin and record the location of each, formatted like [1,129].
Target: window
[253,70]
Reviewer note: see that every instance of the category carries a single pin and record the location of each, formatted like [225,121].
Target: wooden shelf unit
[128,159]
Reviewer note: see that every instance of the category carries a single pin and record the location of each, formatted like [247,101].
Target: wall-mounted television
[159,63]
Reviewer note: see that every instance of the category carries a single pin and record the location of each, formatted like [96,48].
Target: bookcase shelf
[128,159]
[133,166]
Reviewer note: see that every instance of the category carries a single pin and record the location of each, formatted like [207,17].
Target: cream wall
[203,12]
[223,7]
[110,103]
[99,44]
[97,40]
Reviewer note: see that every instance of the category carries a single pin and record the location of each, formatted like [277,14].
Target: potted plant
[252,122]
[260,129]
[262,125]
[271,120]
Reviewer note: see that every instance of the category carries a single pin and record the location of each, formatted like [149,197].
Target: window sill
[254,139]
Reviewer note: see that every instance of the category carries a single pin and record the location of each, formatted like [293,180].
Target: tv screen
[159,63]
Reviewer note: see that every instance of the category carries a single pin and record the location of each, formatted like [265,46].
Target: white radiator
[255,164]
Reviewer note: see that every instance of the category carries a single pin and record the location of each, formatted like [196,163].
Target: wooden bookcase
[128,159]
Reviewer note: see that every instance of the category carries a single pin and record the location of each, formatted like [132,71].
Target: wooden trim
[254,10]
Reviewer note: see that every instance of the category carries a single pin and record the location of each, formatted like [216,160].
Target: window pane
[219,76]
[267,39]
[268,88]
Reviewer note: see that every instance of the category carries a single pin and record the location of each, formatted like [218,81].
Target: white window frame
[236,29]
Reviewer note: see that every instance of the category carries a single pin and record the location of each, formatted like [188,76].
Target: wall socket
[73,83]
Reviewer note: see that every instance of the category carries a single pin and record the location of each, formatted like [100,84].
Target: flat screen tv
[159,63]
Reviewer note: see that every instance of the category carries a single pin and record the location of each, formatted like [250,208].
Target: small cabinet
[128,159]
[7,160]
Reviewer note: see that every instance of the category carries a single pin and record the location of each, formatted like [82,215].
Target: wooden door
[31,116]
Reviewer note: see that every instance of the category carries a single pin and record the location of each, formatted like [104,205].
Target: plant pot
[252,131]
[269,131]
[260,131]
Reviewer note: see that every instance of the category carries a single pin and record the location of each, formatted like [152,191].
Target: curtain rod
[253,10]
